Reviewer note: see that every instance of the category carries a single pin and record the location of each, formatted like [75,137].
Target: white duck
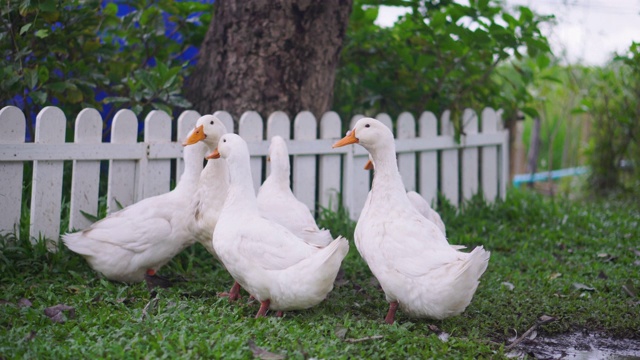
[277,203]
[417,268]
[130,245]
[423,207]
[271,263]
[209,195]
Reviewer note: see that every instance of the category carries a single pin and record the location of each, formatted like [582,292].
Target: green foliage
[613,102]
[72,50]
[442,55]
[541,246]
[556,93]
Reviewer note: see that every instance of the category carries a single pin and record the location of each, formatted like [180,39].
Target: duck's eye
[367,125]
[211,122]
[224,140]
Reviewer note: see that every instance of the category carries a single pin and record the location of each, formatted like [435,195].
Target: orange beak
[368,165]
[197,135]
[214,155]
[347,140]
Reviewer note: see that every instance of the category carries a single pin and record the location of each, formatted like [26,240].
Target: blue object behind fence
[548,175]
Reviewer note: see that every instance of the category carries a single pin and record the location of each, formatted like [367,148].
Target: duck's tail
[317,237]
[316,274]
[77,243]
[476,264]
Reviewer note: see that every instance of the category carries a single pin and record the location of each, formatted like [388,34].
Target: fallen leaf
[635,251]
[533,335]
[341,332]
[583,287]
[602,275]
[374,337]
[73,289]
[508,285]
[546,319]
[24,303]
[125,300]
[262,353]
[636,263]
[57,313]
[603,255]
[630,289]
[554,276]
[443,336]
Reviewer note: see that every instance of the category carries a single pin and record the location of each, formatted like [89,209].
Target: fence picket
[358,179]
[278,124]
[406,129]
[469,156]
[121,188]
[250,129]
[226,118]
[449,162]
[304,166]
[85,181]
[46,196]
[13,123]
[428,159]
[157,172]
[329,166]
[489,171]
[186,122]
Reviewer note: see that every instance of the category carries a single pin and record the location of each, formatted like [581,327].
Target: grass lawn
[576,261]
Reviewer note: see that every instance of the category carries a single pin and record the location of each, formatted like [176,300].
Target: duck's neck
[193,156]
[241,193]
[386,177]
[280,175]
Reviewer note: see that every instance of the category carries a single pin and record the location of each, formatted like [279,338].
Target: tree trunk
[270,55]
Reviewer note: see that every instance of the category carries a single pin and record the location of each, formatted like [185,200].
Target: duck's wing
[415,246]
[272,246]
[135,228]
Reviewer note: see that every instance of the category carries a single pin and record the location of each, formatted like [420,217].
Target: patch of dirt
[579,345]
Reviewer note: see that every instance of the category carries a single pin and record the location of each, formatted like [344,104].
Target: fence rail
[429,159]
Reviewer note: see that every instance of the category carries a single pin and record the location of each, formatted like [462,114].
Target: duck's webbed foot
[154,280]
[233,294]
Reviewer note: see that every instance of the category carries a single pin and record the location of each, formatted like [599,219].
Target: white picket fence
[141,169]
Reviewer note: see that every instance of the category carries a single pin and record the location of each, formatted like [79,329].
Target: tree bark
[268,55]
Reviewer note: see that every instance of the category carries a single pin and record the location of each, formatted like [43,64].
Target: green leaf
[543,61]
[47,6]
[75,96]
[57,86]
[115,100]
[551,78]
[42,33]
[531,112]
[38,97]
[43,74]
[31,78]
[25,28]
[89,217]
[111,9]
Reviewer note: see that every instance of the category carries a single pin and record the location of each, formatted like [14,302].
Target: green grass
[532,239]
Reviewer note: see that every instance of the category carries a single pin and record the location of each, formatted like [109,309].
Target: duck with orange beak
[417,268]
